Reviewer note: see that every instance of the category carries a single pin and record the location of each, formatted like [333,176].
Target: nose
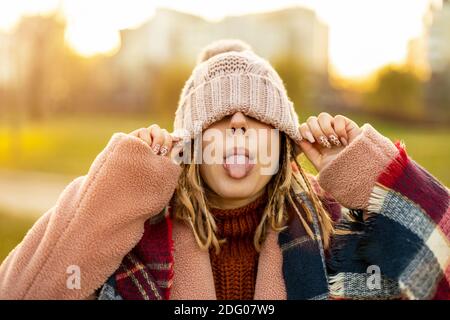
[238,123]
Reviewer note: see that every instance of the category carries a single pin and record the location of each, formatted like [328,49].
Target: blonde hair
[192,206]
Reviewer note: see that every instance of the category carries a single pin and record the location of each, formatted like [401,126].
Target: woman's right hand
[160,140]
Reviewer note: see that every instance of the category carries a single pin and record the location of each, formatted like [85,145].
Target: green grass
[65,145]
[68,145]
[426,145]
[13,228]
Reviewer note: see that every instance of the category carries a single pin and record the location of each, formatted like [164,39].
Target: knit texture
[231,78]
[235,267]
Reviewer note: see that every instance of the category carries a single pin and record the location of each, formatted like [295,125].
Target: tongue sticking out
[237,166]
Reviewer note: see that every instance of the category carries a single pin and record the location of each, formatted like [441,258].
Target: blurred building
[173,39]
[430,52]
[438,50]
[171,34]
[417,58]
[436,43]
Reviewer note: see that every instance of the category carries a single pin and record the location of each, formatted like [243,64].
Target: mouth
[237,163]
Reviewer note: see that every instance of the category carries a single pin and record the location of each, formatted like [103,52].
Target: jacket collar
[193,277]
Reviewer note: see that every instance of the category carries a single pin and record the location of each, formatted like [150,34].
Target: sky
[364,35]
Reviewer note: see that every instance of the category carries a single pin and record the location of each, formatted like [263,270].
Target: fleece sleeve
[96,221]
[406,227]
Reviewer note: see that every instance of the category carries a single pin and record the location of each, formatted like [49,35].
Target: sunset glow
[364,34]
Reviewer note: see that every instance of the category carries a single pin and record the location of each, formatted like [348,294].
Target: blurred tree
[296,77]
[166,84]
[397,92]
[51,76]
[40,52]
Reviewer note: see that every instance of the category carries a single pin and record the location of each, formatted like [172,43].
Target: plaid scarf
[303,258]
[309,270]
[406,236]
[146,272]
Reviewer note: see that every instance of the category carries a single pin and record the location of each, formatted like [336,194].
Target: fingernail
[310,137]
[344,141]
[334,140]
[163,150]
[156,148]
[324,142]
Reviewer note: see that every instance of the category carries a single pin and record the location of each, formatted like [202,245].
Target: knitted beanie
[229,77]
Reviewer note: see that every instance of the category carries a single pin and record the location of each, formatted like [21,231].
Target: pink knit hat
[229,77]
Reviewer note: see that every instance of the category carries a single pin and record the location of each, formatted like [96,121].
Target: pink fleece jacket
[100,217]
[95,222]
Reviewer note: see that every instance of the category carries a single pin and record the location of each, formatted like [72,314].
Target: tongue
[237,166]
[237,171]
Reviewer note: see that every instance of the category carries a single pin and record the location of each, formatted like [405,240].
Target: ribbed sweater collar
[239,222]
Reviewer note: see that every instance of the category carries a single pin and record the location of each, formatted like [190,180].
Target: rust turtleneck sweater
[234,268]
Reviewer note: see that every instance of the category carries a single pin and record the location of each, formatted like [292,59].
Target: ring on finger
[156,148]
[324,142]
[334,140]
[164,150]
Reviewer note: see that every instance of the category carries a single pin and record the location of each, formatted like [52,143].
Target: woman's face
[240,156]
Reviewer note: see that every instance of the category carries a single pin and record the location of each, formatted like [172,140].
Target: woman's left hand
[325,136]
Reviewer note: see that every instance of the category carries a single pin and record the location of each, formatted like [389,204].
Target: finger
[317,132]
[135,132]
[157,138]
[326,124]
[353,130]
[339,125]
[144,134]
[311,153]
[306,133]
[167,145]
[176,136]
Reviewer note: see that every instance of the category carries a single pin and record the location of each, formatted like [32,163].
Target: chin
[236,188]
[235,193]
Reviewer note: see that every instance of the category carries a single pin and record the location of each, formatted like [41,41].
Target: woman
[238,218]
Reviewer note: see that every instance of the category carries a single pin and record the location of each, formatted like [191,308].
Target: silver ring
[163,151]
